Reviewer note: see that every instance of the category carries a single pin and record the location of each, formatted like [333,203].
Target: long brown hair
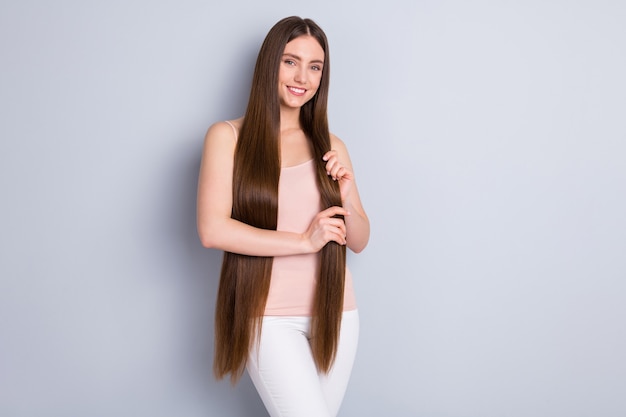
[245,280]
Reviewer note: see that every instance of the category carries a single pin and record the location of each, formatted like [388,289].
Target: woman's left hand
[340,169]
[338,172]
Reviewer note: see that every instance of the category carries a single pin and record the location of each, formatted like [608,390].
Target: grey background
[488,139]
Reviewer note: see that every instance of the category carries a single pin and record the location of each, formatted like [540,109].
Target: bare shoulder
[224,131]
[338,145]
[237,123]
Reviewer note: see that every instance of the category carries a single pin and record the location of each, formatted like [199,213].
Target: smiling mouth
[297,91]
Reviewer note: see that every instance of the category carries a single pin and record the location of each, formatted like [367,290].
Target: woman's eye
[316,68]
[289,62]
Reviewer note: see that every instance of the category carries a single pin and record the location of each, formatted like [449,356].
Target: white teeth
[297,90]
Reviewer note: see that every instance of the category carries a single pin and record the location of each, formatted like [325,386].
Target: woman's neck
[289,119]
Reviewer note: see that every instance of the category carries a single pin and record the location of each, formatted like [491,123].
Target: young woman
[278,195]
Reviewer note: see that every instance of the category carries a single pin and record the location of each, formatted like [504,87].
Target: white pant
[284,373]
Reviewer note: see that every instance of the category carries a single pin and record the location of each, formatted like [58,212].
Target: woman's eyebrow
[297,58]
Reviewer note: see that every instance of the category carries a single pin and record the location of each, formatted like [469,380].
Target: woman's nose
[301,75]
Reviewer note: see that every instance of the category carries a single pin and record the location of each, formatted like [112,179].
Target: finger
[338,226]
[347,175]
[341,172]
[334,170]
[331,161]
[337,235]
[334,211]
[333,225]
[330,165]
[330,223]
[327,232]
[329,155]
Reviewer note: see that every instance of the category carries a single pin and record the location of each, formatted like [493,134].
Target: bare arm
[218,230]
[340,169]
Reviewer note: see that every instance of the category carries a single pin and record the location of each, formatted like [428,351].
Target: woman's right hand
[325,228]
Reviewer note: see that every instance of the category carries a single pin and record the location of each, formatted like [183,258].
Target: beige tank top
[294,277]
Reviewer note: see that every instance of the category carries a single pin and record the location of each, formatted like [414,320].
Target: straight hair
[245,280]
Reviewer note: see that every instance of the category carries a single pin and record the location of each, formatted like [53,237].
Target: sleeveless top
[294,277]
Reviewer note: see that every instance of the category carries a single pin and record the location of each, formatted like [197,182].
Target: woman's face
[300,71]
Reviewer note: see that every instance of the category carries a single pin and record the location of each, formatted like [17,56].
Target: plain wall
[488,140]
